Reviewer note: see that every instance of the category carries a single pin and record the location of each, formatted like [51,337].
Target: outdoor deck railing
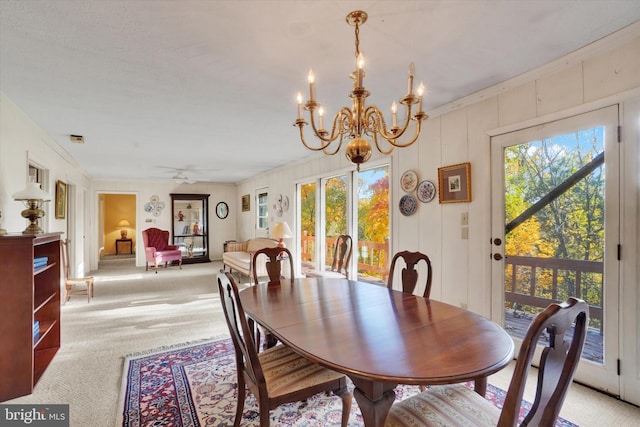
[531,268]
[372,257]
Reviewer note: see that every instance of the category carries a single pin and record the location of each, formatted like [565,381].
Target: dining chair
[409,274]
[277,375]
[273,258]
[341,260]
[458,405]
[70,282]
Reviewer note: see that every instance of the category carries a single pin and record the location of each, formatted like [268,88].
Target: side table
[118,241]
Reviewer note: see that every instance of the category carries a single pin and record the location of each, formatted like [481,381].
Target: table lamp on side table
[281,231]
[123,224]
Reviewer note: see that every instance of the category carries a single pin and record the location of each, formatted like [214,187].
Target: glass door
[555,231]
[191,226]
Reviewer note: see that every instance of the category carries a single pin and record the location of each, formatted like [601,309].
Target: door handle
[497,257]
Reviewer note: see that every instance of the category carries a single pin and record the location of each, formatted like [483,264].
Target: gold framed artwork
[454,183]
[61,200]
[246,204]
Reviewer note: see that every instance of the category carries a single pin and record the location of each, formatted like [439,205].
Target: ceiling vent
[77,139]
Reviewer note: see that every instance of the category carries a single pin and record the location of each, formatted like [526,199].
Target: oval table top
[368,331]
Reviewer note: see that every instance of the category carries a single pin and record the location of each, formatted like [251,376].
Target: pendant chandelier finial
[353,122]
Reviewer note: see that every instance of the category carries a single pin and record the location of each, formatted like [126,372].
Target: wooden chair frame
[409,273]
[70,282]
[307,380]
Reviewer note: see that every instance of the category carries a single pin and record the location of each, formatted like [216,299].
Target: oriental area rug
[195,385]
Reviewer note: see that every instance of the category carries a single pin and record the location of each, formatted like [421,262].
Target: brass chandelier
[352,123]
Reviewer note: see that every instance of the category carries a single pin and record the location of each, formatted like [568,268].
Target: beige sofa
[237,255]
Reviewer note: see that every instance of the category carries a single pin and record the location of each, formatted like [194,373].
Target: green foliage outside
[373,212]
[571,227]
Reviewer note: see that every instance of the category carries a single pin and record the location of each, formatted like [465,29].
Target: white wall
[220,230]
[22,141]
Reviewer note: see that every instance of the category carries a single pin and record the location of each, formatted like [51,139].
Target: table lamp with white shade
[281,231]
[33,197]
[123,224]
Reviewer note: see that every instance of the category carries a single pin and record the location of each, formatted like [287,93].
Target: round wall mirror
[222,210]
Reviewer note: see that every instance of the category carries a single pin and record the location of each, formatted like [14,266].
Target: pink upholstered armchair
[157,248]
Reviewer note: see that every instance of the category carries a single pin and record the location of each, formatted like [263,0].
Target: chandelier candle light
[353,122]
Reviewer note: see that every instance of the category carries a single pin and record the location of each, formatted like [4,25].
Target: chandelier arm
[336,129]
[331,153]
[414,139]
[322,147]
[386,153]
[381,128]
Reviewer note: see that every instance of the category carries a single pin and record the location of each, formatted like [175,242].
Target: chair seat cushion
[286,372]
[450,405]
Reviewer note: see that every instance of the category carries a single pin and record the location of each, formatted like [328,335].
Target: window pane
[373,224]
[308,225]
[263,211]
[335,214]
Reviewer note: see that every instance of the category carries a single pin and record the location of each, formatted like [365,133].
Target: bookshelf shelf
[28,295]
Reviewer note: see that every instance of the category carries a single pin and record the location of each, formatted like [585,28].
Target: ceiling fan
[181,178]
[184,175]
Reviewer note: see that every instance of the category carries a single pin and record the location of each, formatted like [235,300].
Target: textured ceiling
[209,86]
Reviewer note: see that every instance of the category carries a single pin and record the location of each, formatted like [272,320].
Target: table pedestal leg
[480,386]
[374,400]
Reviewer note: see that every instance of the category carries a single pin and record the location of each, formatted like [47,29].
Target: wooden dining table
[379,337]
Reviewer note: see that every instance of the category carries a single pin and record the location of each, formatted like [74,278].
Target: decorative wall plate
[154,199]
[285,203]
[426,191]
[408,181]
[157,212]
[408,205]
[148,207]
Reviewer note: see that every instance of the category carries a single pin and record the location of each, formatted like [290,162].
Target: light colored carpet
[135,311]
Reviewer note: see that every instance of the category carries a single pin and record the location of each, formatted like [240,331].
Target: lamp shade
[32,192]
[124,223]
[281,230]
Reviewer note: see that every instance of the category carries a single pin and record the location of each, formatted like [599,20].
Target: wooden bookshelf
[27,295]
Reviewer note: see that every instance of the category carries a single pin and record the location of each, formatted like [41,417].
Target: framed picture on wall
[246,206]
[454,183]
[61,200]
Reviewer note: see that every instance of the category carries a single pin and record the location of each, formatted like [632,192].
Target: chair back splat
[558,362]
[277,375]
[275,257]
[341,260]
[409,274]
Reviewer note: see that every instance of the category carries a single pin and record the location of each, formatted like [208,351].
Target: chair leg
[156,267]
[242,393]
[346,397]
[180,263]
[146,266]
[67,292]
